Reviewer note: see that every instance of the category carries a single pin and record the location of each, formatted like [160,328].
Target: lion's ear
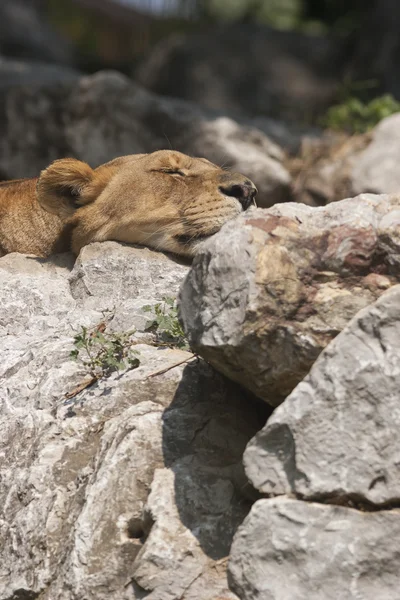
[64,187]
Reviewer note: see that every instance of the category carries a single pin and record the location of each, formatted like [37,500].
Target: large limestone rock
[336,166]
[332,442]
[287,549]
[322,167]
[100,117]
[375,168]
[133,487]
[335,437]
[274,287]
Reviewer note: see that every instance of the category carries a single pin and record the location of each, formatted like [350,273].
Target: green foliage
[165,324]
[283,14]
[279,13]
[103,353]
[355,116]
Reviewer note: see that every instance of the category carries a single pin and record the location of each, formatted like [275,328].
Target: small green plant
[103,353]
[355,116]
[165,324]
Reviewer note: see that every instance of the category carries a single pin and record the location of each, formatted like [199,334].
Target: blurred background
[290,58]
[289,69]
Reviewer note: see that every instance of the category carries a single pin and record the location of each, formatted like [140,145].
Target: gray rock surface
[106,115]
[328,459]
[322,168]
[375,169]
[22,73]
[287,549]
[274,287]
[133,487]
[335,166]
[335,437]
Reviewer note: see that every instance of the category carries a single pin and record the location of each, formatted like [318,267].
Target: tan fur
[165,200]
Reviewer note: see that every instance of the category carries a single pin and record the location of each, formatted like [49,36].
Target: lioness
[165,200]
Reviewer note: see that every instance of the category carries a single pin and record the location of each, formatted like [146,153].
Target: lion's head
[165,200]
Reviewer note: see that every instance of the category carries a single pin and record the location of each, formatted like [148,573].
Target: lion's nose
[244,192]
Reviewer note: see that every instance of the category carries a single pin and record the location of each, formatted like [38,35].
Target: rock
[332,167]
[244,149]
[22,73]
[225,69]
[121,273]
[322,169]
[267,293]
[100,492]
[289,549]
[334,437]
[332,442]
[288,135]
[375,169]
[104,116]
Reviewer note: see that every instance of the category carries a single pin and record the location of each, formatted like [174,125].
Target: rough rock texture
[335,436]
[322,168]
[375,169]
[287,549]
[226,69]
[335,166]
[106,115]
[274,287]
[333,441]
[134,487]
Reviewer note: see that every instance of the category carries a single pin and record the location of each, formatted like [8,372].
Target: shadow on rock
[205,431]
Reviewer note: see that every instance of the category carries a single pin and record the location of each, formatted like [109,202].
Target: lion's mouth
[186,239]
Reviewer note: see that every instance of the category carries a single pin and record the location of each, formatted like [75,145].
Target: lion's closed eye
[173,172]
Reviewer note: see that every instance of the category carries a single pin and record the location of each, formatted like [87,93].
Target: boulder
[22,73]
[334,166]
[103,116]
[376,168]
[289,549]
[132,486]
[335,437]
[322,167]
[328,460]
[274,287]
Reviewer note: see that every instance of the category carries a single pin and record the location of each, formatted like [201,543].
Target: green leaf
[169,301]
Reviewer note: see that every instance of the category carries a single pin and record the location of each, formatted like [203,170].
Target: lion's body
[24,225]
[166,200]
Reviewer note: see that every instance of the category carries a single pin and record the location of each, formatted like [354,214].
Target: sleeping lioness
[165,200]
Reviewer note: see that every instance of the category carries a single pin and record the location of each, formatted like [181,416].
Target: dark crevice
[22,594]
[135,529]
[354,501]
[139,592]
